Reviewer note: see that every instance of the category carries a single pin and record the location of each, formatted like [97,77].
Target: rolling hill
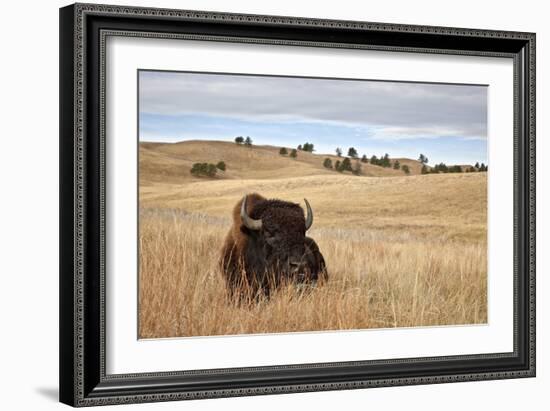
[171,162]
[394,203]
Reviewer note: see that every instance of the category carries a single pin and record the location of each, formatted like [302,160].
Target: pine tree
[327,163]
[396,165]
[293,153]
[248,141]
[346,164]
[309,147]
[406,169]
[441,168]
[338,151]
[364,159]
[374,160]
[352,152]
[283,151]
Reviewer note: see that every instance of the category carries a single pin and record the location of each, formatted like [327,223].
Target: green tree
[204,169]
[248,141]
[374,160]
[346,164]
[455,169]
[283,151]
[352,152]
[385,161]
[396,165]
[364,159]
[220,165]
[440,168]
[309,147]
[239,140]
[406,169]
[338,151]
[423,159]
[327,163]
[477,166]
[482,167]
[211,170]
[424,169]
[195,169]
[338,166]
[293,153]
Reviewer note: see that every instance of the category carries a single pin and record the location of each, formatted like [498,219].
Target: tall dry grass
[377,278]
[400,250]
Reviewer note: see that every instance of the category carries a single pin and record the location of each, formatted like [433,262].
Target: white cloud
[391,110]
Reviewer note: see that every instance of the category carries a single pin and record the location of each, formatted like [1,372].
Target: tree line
[343,165]
[346,165]
[384,161]
[443,168]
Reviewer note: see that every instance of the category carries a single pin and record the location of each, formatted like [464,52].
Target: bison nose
[296,267]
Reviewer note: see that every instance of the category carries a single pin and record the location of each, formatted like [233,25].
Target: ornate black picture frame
[83,30]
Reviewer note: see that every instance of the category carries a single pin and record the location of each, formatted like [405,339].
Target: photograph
[280,204]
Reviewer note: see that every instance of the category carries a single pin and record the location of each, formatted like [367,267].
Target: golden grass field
[401,251]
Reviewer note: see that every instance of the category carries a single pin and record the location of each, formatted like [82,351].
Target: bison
[267,246]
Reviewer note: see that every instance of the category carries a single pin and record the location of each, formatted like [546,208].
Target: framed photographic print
[262,204]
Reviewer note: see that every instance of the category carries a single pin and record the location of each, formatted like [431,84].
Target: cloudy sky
[445,122]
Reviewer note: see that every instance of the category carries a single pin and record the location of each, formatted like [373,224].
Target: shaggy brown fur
[255,262]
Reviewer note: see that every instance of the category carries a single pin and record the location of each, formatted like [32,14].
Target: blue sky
[445,122]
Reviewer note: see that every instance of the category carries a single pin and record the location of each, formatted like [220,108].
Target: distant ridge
[171,162]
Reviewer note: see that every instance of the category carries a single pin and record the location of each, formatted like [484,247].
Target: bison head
[277,238]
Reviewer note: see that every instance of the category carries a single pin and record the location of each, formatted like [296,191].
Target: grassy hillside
[172,162]
[400,250]
[453,204]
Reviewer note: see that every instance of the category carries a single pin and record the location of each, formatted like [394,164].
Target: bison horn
[309,217]
[249,222]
